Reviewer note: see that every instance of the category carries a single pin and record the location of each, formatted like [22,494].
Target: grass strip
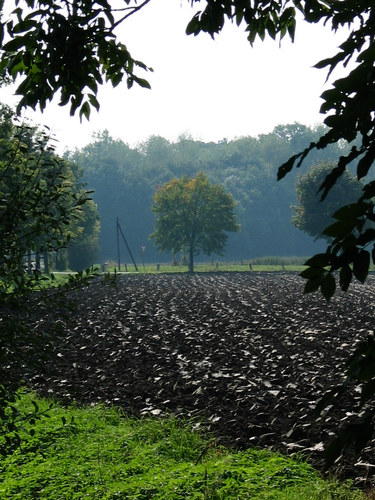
[97,453]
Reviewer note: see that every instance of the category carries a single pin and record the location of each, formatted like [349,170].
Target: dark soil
[247,352]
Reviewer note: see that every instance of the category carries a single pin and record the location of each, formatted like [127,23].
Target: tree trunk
[191,259]
[29,269]
[37,260]
[46,262]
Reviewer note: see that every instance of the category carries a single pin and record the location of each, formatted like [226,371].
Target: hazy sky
[208,89]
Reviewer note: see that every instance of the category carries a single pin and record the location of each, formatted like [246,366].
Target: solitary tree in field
[193,216]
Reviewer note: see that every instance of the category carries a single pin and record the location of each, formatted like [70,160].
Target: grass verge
[97,453]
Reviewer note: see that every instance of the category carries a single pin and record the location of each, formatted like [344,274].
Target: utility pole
[118,245]
[119,231]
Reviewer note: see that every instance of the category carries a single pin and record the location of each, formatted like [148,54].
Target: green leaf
[312,272]
[361,264]
[15,44]
[323,63]
[365,163]
[339,229]
[319,260]
[115,78]
[345,277]
[94,102]
[286,167]
[367,237]
[85,111]
[351,211]
[328,286]
[193,26]
[142,82]
[312,285]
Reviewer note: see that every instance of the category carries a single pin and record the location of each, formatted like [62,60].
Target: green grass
[204,268]
[99,454]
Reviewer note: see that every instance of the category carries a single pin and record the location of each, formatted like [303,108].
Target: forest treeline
[125,178]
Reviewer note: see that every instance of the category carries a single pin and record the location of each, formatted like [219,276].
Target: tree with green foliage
[312,215]
[40,200]
[72,48]
[193,217]
[125,178]
[44,204]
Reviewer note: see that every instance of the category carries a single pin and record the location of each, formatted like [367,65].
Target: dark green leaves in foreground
[72,50]
[350,253]
[360,372]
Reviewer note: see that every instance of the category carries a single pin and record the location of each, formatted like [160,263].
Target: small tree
[193,216]
[312,214]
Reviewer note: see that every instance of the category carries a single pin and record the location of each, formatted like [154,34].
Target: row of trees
[58,48]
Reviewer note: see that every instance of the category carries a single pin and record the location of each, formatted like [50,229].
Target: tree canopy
[42,209]
[43,203]
[67,47]
[311,214]
[193,216]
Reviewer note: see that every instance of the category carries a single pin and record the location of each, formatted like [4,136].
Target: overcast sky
[209,89]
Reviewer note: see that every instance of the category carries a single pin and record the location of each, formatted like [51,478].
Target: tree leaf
[361,264]
[312,272]
[312,285]
[85,111]
[365,163]
[351,211]
[339,229]
[319,260]
[345,277]
[328,286]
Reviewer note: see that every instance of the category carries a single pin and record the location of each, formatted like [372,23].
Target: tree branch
[133,11]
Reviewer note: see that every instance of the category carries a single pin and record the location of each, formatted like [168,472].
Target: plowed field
[247,352]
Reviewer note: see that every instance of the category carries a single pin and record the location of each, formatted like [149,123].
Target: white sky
[208,89]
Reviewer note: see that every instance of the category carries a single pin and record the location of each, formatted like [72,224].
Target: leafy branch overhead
[66,47]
